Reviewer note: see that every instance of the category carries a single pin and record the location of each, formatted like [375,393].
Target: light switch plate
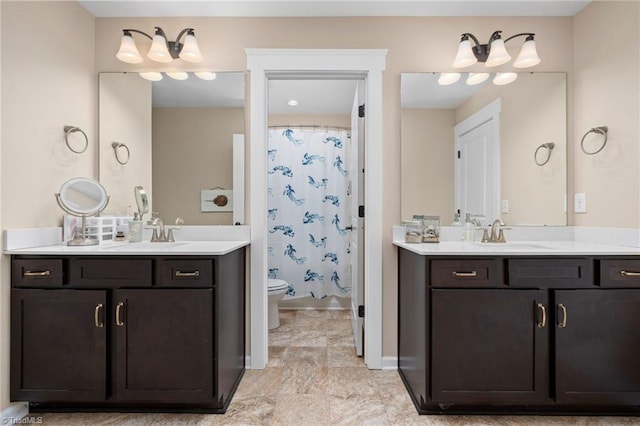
[504,206]
[580,202]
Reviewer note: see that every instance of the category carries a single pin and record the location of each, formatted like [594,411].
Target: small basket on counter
[430,228]
[413,231]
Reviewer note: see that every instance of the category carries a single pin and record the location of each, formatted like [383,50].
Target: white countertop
[518,248]
[178,248]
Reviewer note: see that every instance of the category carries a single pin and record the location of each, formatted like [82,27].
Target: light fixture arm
[128,32]
[528,35]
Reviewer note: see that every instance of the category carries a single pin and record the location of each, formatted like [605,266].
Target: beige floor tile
[340,314]
[357,410]
[339,338]
[279,337]
[260,382]
[340,356]
[306,357]
[305,380]
[188,420]
[301,410]
[347,381]
[309,338]
[340,325]
[315,323]
[277,355]
[250,410]
[312,313]
[287,314]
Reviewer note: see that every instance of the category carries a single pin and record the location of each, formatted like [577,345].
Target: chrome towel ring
[116,146]
[601,130]
[549,147]
[72,129]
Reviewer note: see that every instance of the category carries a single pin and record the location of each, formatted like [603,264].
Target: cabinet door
[163,345]
[58,345]
[489,346]
[597,346]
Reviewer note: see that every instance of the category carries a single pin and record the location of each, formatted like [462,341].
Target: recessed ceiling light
[178,75]
[292,102]
[151,76]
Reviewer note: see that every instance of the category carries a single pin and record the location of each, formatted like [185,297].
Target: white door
[356,188]
[477,163]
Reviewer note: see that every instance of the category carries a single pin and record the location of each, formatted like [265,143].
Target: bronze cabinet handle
[119,322]
[563,309]
[96,316]
[543,321]
[36,273]
[187,274]
[630,274]
[465,274]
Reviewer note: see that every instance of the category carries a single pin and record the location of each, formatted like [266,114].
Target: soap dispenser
[135,229]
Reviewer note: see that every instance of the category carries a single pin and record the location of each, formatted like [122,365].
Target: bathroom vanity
[135,327]
[519,328]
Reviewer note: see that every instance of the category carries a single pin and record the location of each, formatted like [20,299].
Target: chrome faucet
[497,233]
[163,234]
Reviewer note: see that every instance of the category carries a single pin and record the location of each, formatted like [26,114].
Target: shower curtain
[308,211]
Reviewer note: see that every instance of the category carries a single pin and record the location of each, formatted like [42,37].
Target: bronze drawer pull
[119,322]
[629,274]
[543,321]
[187,274]
[465,274]
[96,316]
[36,273]
[563,323]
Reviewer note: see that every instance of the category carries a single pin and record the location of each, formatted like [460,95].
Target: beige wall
[48,81]
[606,87]
[125,116]
[338,120]
[192,150]
[427,163]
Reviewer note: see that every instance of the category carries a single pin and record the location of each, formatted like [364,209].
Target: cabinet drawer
[620,273]
[550,272]
[185,273]
[36,273]
[110,272]
[465,273]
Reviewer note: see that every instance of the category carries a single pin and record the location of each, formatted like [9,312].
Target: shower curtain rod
[304,126]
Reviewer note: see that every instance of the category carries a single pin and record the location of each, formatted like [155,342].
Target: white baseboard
[13,413]
[389,362]
[247,362]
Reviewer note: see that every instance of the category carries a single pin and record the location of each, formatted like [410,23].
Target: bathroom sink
[143,246]
[514,245]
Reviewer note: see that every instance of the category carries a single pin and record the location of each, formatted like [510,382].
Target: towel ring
[549,147]
[115,146]
[73,129]
[601,130]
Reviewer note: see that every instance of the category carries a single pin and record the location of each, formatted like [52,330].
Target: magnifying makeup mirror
[82,197]
[141,200]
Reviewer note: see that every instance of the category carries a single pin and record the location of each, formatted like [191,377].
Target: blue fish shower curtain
[308,211]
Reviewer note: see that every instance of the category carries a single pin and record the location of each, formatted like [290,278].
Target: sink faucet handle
[485,236]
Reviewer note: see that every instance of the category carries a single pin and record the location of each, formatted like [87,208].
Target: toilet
[277,289]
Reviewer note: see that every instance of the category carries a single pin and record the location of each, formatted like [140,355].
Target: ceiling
[325,8]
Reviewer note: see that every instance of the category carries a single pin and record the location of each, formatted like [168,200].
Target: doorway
[264,64]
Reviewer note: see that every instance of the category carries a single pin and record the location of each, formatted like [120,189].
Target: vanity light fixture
[151,76]
[447,78]
[161,49]
[177,75]
[503,78]
[206,75]
[494,53]
[477,78]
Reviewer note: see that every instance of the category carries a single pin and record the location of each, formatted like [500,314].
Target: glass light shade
[503,78]
[465,56]
[528,55]
[151,76]
[190,51]
[477,78]
[447,78]
[498,54]
[128,51]
[206,75]
[178,75]
[159,51]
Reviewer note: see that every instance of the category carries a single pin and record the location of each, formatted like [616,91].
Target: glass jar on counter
[430,228]
[413,231]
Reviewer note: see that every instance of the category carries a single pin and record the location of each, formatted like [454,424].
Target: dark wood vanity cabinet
[516,334]
[128,333]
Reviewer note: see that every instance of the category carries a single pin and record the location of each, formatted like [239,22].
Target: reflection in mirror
[471,148]
[142,201]
[82,197]
[180,134]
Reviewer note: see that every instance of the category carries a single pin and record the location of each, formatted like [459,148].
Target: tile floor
[314,378]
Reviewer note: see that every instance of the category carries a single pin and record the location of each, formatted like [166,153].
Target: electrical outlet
[580,202]
[504,206]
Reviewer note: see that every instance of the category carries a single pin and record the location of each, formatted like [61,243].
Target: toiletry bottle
[135,229]
[468,232]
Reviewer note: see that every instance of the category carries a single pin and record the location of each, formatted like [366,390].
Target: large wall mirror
[485,149]
[179,136]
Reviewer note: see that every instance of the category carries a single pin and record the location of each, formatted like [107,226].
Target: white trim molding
[295,63]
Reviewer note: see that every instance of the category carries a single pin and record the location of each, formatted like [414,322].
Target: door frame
[296,62]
